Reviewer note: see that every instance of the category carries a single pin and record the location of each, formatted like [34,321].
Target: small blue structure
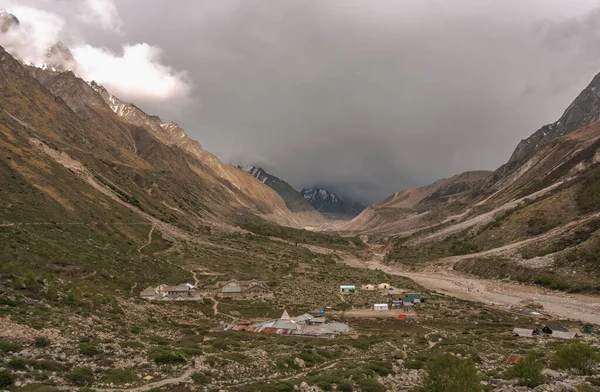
[321,312]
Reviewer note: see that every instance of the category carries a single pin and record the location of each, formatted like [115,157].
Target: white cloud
[37,32]
[136,73]
[101,13]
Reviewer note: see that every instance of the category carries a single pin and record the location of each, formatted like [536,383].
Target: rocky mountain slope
[329,204]
[403,210]
[534,219]
[292,198]
[584,111]
[151,167]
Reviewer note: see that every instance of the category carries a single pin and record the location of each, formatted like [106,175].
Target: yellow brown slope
[150,166]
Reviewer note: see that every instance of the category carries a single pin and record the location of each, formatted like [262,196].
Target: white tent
[380,307]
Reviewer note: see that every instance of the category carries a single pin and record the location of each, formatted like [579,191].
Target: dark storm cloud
[366,97]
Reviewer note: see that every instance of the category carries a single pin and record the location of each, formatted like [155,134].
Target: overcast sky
[365,97]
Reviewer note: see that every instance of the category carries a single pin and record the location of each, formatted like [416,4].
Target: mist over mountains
[345,97]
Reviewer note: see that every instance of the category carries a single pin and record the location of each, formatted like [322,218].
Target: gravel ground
[567,306]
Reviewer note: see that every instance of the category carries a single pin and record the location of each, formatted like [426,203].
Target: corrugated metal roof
[287,328]
[563,335]
[284,324]
[180,288]
[304,317]
[523,332]
[556,327]
[232,289]
[336,327]
[318,320]
[148,291]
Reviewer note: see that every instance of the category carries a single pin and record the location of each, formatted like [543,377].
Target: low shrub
[370,385]
[18,364]
[50,365]
[449,373]
[6,378]
[120,376]
[10,347]
[199,378]
[163,356]
[577,357]
[529,370]
[345,386]
[41,342]
[81,376]
[37,388]
[88,349]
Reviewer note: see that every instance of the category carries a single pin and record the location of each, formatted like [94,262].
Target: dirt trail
[216,310]
[149,239]
[154,385]
[569,306]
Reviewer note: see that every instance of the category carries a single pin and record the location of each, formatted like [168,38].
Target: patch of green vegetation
[10,347]
[237,357]
[540,224]
[88,349]
[413,254]
[81,376]
[501,268]
[120,376]
[200,378]
[529,370]
[18,363]
[370,385]
[589,197]
[301,236]
[6,378]
[131,344]
[449,373]
[577,357]
[50,365]
[552,282]
[165,356]
[41,342]
[34,387]
[284,386]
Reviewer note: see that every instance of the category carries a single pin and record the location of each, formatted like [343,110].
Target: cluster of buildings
[304,325]
[165,292]
[228,289]
[552,330]
[395,299]
[399,302]
[251,288]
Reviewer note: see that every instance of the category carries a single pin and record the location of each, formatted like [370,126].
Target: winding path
[149,239]
[153,385]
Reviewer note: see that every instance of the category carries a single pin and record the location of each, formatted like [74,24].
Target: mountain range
[537,215]
[309,199]
[91,156]
[330,204]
